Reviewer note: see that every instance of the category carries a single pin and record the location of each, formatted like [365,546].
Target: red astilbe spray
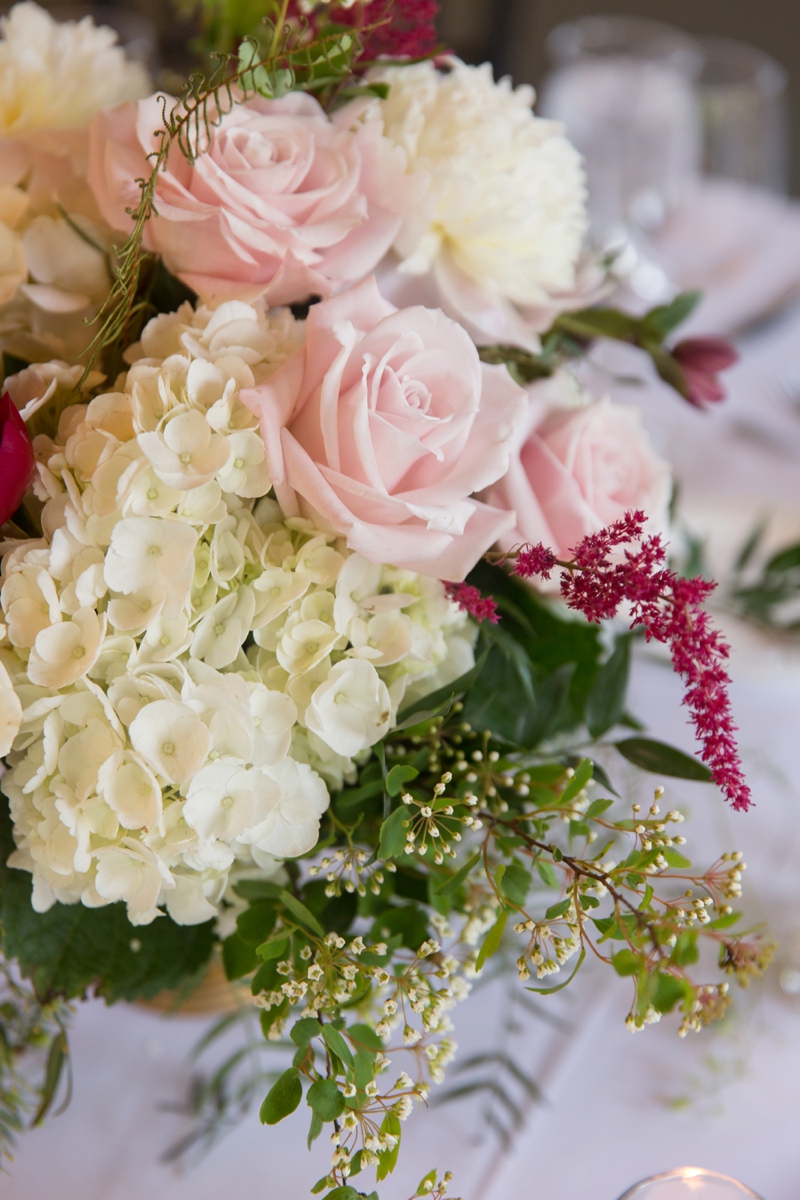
[670,610]
[469,599]
[405,28]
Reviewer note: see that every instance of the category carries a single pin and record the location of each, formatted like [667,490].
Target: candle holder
[689,1183]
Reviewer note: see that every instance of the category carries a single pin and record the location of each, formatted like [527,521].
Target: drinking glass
[743,100]
[624,89]
[689,1183]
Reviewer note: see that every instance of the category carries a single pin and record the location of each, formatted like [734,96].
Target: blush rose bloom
[383,425]
[575,470]
[286,202]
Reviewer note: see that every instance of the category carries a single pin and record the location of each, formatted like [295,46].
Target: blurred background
[513,34]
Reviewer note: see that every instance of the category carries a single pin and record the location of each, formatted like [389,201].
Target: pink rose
[382,426]
[574,470]
[286,203]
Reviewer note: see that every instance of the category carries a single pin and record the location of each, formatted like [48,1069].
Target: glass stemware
[689,1183]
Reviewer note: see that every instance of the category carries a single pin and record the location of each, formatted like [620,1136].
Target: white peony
[58,74]
[503,214]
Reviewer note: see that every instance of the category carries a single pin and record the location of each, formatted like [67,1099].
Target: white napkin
[740,246]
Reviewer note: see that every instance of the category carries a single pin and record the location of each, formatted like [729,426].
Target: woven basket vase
[214,994]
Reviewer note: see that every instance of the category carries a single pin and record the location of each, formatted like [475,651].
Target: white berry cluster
[182,668]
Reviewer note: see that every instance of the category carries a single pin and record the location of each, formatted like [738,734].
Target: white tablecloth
[616,1107]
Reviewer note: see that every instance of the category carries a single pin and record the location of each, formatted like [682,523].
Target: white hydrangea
[183,670]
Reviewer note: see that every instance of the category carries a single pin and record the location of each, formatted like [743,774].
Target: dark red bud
[701,360]
[17,464]
[710,355]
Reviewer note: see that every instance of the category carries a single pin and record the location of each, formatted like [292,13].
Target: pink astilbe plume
[469,599]
[669,609]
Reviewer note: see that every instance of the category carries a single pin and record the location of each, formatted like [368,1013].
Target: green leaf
[269,1016]
[668,367]
[265,978]
[725,921]
[625,962]
[600,322]
[345,1192]
[256,923]
[443,696]
[558,910]
[492,940]
[516,882]
[785,560]
[56,1058]
[397,777]
[675,859]
[304,1030]
[257,889]
[583,773]
[282,1098]
[335,1042]
[685,951]
[301,913]
[547,873]
[393,833]
[669,990]
[666,317]
[71,948]
[314,1130]
[388,1158]
[451,885]
[661,759]
[364,1037]
[597,808]
[277,947]
[408,920]
[325,1099]
[238,958]
[606,704]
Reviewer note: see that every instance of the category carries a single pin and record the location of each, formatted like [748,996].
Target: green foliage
[573,332]
[33,1057]
[605,705]
[282,1098]
[661,759]
[325,1099]
[70,948]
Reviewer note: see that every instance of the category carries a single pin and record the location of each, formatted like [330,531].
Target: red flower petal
[17,464]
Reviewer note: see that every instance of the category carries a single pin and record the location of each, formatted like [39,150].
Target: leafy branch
[572,333]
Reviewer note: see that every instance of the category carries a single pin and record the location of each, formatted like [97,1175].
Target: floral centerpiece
[286,672]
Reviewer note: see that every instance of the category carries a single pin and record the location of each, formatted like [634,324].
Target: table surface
[631,1105]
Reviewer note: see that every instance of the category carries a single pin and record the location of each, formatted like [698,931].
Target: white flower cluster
[58,74]
[54,273]
[180,663]
[505,194]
